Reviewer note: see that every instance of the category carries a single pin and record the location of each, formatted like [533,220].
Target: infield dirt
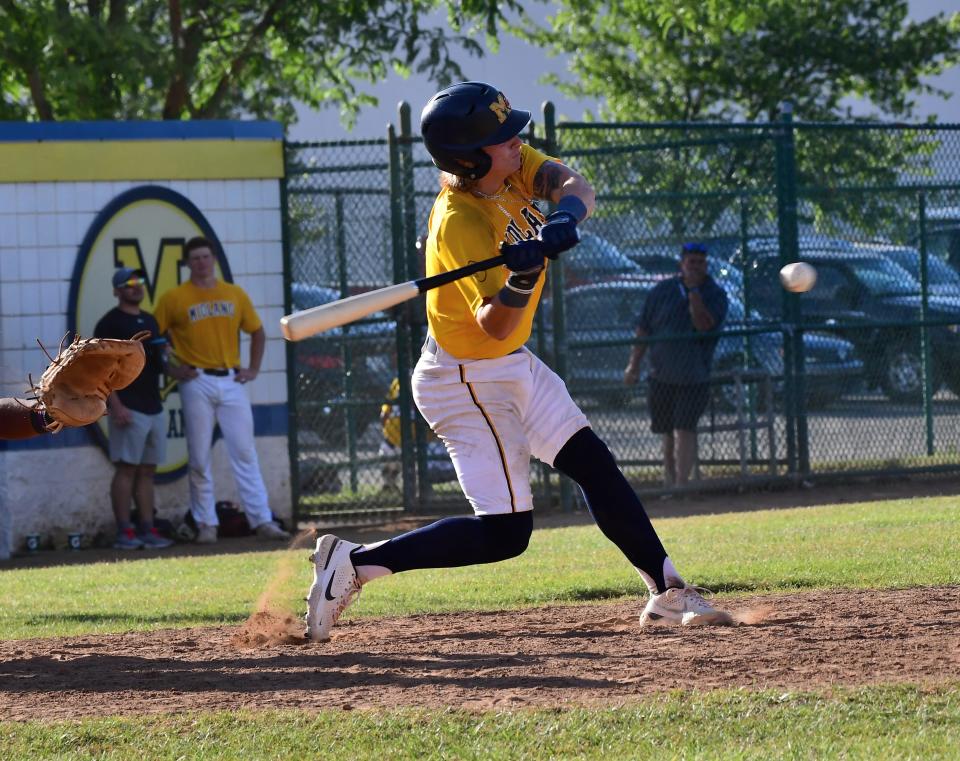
[552,656]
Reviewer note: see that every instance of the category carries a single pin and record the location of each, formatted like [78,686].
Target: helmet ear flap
[473,166]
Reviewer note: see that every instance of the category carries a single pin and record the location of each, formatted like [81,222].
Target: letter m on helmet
[500,107]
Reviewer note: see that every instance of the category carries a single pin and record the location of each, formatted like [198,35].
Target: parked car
[606,313]
[855,290]
[942,279]
[346,368]
[943,234]
[595,260]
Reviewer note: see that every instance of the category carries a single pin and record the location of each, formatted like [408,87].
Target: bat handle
[425,284]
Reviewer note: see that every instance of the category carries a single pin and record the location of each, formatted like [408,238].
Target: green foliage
[689,61]
[737,61]
[865,723]
[178,59]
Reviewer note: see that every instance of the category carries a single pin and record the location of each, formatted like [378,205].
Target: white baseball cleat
[335,585]
[684,606]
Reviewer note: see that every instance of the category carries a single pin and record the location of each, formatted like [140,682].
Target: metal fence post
[403,333]
[415,331]
[926,356]
[798,451]
[557,292]
[293,444]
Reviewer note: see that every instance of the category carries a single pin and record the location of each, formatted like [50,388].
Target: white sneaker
[684,606]
[335,585]
[206,534]
[271,530]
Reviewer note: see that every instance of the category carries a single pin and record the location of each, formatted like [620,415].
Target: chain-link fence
[857,375]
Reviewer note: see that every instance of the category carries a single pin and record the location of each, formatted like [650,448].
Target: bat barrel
[309,322]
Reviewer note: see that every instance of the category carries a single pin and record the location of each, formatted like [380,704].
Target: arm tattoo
[550,176]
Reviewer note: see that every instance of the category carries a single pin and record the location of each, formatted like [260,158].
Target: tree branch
[39,95]
[211,107]
[176,93]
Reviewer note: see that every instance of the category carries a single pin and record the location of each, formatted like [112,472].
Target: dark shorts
[675,407]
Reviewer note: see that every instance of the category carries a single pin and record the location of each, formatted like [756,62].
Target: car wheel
[902,374]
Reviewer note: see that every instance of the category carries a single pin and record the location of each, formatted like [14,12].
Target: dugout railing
[759,196]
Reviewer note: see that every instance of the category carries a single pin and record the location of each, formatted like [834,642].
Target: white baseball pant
[492,415]
[209,399]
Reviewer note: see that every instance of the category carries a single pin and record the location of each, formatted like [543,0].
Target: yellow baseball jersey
[467,228]
[205,323]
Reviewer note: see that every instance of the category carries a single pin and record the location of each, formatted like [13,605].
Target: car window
[832,286]
[765,285]
[938,244]
[938,271]
[881,277]
[596,256]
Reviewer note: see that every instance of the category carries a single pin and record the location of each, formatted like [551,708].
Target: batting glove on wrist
[559,234]
[525,256]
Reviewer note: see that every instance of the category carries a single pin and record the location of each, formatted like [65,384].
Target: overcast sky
[517,67]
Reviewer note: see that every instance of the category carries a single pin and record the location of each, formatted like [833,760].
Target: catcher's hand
[73,390]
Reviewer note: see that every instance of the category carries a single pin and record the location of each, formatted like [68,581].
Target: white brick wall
[43,224]
[41,228]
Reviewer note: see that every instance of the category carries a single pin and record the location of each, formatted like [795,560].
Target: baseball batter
[489,399]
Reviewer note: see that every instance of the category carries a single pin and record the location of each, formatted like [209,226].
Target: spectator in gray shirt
[679,383]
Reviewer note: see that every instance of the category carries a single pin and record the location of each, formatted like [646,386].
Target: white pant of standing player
[492,415]
[209,400]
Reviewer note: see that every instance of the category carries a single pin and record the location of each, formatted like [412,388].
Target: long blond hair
[455,182]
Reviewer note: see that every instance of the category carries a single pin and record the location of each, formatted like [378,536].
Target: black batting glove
[559,234]
[525,256]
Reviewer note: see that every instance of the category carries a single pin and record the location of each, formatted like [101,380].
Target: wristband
[573,205]
[523,282]
[512,297]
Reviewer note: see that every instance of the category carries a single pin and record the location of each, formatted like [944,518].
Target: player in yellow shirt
[489,399]
[204,317]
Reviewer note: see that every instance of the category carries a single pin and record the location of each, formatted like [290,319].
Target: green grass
[876,545]
[881,722]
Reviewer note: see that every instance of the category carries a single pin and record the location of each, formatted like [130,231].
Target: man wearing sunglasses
[136,424]
[678,388]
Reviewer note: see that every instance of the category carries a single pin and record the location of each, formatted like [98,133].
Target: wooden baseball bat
[309,322]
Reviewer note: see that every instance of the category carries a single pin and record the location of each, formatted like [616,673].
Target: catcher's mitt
[73,390]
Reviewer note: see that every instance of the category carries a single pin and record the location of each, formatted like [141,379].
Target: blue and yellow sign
[144,228]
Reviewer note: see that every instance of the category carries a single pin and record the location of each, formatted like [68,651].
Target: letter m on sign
[165,273]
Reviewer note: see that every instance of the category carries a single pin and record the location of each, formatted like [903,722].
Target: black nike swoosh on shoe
[330,554]
[329,586]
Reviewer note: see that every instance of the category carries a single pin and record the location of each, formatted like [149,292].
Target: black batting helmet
[461,119]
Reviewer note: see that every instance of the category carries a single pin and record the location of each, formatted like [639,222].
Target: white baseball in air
[798,277]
